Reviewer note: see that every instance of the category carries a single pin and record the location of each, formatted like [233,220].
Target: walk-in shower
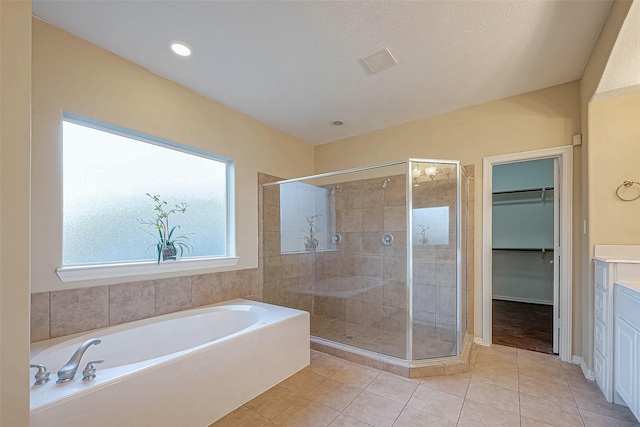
[377,255]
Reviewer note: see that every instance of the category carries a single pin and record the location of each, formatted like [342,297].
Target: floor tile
[593,419]
[476,414]
[306,413]
[374,410]
[411,417]
[303,381]
[241,417]
[434,402]
[578,380]
[557,415]
[539,370]
[452,384]
[493,395]
[499,349]
[354,375]
[528,422]
[594,401]
[551,390]
[273,402]
[536,357]
[496,376]
[497,360]
[334,394]
[325,365]
[508,387]
[347,421]
[392,387]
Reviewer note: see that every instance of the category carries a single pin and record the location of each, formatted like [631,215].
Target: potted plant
[311,242]
[423,233]
[168,245]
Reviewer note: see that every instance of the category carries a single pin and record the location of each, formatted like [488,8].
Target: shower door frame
[409,218]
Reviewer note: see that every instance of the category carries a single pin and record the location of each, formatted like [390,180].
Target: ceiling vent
[379,61]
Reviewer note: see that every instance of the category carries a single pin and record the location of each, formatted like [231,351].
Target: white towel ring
[626,184]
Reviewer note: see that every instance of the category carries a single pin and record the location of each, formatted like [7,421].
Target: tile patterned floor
[522,325]
[506,387]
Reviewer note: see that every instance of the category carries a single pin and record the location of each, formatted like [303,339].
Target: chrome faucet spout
[68,371]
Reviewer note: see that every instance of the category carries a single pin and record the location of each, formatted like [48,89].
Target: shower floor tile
[390,343]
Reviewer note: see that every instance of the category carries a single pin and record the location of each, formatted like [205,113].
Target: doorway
[524,276]
[556,257]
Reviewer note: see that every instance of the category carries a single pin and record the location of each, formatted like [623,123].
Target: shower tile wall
[288,278]
[435,276]
[363,282]
[360,287]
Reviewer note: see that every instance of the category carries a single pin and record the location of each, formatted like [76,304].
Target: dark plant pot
[168,253]
[310,246]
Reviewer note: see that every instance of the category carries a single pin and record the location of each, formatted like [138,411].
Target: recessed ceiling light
[180,48]
[337,122]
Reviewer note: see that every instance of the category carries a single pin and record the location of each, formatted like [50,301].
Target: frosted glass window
[301,204]
[106,177]
[431,226]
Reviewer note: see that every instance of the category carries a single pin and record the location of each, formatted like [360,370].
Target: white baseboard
[518,299]
[478,341]
[588,373]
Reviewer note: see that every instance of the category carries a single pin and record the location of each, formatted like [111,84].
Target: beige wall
[72,75]
[583,311]
[15,99]
[536,120]
[614,152]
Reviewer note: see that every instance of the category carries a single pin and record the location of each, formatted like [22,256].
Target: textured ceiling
[295,64]
[623,68]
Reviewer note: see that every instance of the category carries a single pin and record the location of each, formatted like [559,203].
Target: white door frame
[564,155]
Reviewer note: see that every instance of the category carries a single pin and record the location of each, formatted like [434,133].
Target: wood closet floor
[523,325]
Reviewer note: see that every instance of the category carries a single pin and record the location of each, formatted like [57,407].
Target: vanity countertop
[617,259]
[618,253]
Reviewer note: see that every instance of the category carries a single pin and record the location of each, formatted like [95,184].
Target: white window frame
[76,273]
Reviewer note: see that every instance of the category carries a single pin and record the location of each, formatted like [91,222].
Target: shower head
[386,181]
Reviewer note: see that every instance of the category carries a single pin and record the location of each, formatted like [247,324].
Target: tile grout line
[574,400]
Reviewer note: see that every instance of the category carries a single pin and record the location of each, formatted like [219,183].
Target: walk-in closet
[524,209]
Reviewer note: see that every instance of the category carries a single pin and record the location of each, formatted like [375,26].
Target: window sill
[107,271]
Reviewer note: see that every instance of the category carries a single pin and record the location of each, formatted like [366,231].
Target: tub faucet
[68,371]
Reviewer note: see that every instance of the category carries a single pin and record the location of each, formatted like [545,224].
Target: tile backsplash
[58,313]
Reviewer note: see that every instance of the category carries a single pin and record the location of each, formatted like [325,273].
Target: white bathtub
[183,369]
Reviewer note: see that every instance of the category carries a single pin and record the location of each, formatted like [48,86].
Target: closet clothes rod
[531,190]
[524,249]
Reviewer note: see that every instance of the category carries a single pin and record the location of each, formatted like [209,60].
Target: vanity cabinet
[627,344]
[603,323]
[611,264]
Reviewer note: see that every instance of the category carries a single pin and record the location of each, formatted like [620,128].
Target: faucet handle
[42,376]
[89,371]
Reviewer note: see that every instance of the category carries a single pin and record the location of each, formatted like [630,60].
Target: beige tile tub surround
[59,313]
[332,392]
